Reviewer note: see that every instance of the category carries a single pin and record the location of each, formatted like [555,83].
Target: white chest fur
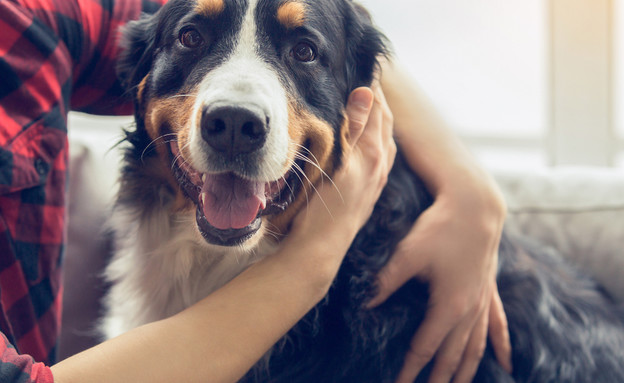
[163,265]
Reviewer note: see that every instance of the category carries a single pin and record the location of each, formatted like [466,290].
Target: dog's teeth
[203,178]
[202,196]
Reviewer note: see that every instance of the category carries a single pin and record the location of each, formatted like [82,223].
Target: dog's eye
[304,52]
[190,38]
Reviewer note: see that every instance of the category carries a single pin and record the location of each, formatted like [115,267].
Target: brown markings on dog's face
[344,139]
[141,89]
[306,129]
[163,118]
[291,15]
[210,8]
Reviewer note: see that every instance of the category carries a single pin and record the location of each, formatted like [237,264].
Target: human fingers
[425,343]
[450,354]
[499,332]
[358,110]
[377,134]
[387,131]
[375,143]
[393,275]
[474,350]
[409,259]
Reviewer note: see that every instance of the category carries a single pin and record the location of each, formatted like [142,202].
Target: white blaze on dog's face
[249,96]
[238,136]
[243,83]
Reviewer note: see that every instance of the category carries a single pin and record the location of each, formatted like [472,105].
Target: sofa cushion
[578,211]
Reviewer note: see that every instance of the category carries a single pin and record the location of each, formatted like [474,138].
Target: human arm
[222,336]
[453,245]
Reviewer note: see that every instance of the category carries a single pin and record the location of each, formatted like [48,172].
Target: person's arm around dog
[453,245]
[220,338]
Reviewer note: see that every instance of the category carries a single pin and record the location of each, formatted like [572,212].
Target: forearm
[433,151]
[219,338]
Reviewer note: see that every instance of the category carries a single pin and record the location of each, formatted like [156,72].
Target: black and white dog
[239,112]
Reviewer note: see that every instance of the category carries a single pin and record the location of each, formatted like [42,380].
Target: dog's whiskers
[273,233]
[182,95]
[179,156]
[298,168]
[300,156]
[158,141]
[324,175]
[316,164]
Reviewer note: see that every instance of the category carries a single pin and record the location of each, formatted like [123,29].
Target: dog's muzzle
[234,130]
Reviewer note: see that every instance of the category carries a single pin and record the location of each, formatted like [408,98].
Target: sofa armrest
[578,211]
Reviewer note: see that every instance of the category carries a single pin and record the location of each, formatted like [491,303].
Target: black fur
[563,327]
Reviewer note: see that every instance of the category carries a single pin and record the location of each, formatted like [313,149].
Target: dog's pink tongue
[232,202]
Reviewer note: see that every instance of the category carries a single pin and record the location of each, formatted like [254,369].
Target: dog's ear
[365,45]
[138,49]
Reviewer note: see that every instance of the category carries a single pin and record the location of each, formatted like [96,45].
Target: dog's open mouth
[229,207]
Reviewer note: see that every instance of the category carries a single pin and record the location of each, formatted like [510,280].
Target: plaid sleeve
[35,87]
[21,368]
[55,55]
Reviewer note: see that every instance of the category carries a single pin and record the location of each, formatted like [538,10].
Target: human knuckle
[392,148]
[356,125]
[387,111]
[378,169]
[373,170]
[398,265]
[475,309]
[392,159]
[421,358]
[475,351]
[422,353]
[457,310]
[388,117]
[384,177]
[383,282]
[379,152]
[449,361]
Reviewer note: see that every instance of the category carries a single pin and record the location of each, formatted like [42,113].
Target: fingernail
[509,367]
[361,98]
[372,303]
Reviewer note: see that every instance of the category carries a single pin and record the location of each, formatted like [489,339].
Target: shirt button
[41,166]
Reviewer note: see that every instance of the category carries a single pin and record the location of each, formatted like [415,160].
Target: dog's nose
[234,130]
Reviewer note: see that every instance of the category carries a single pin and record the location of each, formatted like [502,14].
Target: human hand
[453,245]
[341,207]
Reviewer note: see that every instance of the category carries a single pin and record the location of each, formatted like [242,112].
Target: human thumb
[357,110]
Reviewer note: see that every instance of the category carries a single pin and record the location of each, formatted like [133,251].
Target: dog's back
[563,328]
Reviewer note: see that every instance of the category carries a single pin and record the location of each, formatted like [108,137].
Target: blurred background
[527,84]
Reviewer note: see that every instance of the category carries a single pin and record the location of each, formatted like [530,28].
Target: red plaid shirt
[55,55]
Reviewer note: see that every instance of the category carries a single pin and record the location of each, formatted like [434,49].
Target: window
[526,83]
[618,71]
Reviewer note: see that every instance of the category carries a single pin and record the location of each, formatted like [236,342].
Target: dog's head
[244,102]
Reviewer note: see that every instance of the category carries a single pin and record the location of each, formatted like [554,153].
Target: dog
[240,111]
